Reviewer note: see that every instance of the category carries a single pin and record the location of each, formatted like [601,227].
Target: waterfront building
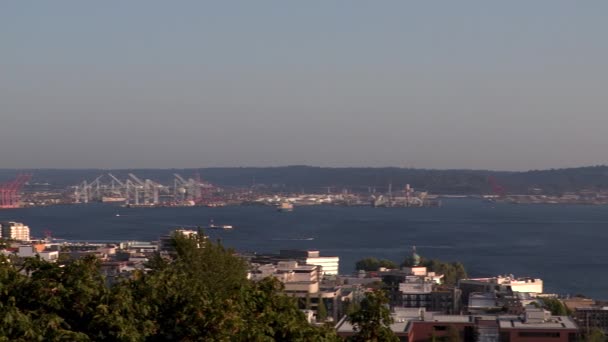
[15,231]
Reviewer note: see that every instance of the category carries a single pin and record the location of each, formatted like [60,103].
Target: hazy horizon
[289,166]
[148,84]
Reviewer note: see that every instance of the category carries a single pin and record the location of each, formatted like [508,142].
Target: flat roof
[556,322]
[450,319]
[344,326]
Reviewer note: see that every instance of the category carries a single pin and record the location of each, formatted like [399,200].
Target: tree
[200,293]
[321,310]
[595,335]
[556,306]
[372,322]
[452,272]
[373,264]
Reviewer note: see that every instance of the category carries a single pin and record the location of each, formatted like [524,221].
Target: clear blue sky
[441,84]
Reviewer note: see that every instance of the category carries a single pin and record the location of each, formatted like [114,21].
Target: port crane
[10,192]
[137,191]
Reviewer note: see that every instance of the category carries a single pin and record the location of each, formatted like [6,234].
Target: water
[563,244]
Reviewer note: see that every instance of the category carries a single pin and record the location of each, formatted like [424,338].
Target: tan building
[302,282]
[15,231]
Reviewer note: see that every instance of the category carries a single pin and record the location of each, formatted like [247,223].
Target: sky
[511,85]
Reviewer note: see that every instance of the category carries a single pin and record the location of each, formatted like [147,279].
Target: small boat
[217,226]
[285,207]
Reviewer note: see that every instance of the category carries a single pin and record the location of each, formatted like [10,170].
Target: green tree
[372,322]
[200,293]
[595,335]
[452,272]
[321,310]
[556,306]
[352,307]
[373,264]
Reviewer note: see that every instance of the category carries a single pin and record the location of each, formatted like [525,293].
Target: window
[440,327]
[538,334]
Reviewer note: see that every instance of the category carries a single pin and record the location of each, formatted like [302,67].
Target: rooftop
[555,322]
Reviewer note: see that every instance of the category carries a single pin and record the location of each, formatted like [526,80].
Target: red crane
[10,192]
[498,189]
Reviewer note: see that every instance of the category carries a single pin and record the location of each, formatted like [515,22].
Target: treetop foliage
[372,321]
[452,271]
[373,264]
[200,294]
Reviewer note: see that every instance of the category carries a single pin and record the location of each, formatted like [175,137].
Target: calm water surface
[566,245]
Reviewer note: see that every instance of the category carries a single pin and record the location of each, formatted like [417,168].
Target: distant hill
[318,179]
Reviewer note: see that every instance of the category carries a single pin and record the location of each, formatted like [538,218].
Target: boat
[285,207]
[218,226]
[112,199]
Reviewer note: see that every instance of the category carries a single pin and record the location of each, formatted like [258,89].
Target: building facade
[15,231]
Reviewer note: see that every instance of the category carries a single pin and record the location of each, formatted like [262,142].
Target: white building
[524,284]
[421,271]
[15,231]
[329,264]
[303,282]
[299,280]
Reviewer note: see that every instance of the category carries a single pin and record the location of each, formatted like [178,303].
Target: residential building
[329,264]
[15,231]
[592,317]
[414,287]
[304,283]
